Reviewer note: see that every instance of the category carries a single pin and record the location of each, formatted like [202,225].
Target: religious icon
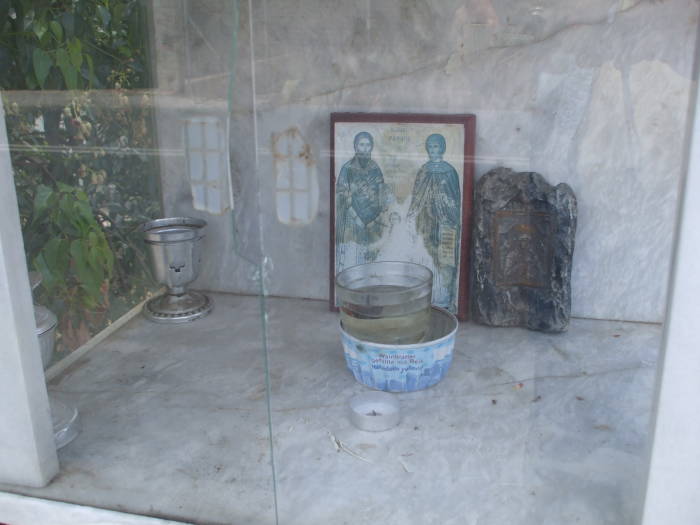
[523,248]
[435,207]
[390,203]
[361,199]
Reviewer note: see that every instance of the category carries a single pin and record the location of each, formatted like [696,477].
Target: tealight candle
[375,411]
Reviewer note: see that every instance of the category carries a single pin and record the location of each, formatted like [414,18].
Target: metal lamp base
[172,309]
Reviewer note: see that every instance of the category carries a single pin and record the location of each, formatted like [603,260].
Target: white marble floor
[526,428]
[22,510]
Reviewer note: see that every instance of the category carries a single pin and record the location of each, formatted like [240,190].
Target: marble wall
[193,49]
[594,94]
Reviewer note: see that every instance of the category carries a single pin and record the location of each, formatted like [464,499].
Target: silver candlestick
[176,255]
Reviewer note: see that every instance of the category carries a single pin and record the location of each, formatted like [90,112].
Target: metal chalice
[175,249]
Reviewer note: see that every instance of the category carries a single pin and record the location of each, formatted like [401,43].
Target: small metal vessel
[46,322]
[64,417]
[175,249]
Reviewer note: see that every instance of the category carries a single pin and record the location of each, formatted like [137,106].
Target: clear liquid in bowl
[404,323]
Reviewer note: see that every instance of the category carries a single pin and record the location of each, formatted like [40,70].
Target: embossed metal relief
[522,248]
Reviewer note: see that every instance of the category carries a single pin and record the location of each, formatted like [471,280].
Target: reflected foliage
[72,44]
[81,151]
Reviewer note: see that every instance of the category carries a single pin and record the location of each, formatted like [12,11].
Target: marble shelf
[526,428]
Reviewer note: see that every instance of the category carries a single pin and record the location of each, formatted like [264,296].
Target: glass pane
[85,166]
[120,112]
[313,136]
[522,425]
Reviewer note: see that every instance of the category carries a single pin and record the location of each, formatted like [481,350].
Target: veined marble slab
[594,95]
[526,427]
